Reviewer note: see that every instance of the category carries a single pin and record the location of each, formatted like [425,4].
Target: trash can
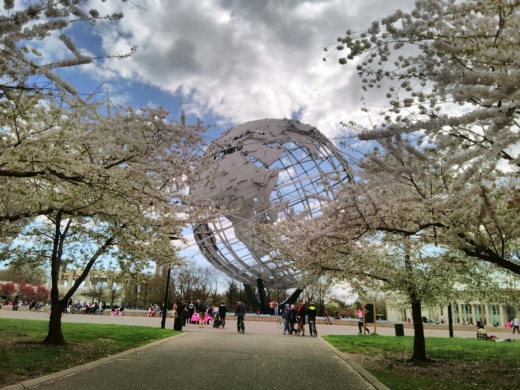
[177,323]
[399,329]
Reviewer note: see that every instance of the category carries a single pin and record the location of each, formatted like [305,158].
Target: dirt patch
[442,375]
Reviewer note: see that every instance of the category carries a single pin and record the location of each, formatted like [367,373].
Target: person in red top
[301,313]
[326,314]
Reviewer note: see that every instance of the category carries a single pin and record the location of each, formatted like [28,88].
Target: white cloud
[244,60]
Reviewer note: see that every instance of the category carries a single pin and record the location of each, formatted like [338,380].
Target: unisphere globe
[263,165]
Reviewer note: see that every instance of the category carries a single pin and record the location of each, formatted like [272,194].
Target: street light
[176,235]
[165,307]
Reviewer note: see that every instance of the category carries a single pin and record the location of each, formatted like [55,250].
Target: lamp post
[165,307]
[375,318]
[175,235]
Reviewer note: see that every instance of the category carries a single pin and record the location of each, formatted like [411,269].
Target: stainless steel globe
[264,168]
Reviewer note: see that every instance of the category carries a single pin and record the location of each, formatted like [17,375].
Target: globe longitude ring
[264,164]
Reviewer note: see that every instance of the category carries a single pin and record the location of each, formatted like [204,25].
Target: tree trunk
[419,345]
[54,335]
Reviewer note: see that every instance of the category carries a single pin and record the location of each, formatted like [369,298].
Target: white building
[463,313]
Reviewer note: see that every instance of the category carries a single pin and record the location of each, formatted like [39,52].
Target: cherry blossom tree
[81,185]
[378,235]
[127,193]
[450,126]
[386,263]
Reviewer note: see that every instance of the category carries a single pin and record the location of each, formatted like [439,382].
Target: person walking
[191,309]
[360,314]
[202,313]
[180,308]
[301,314]
[222,312]
[312,312]
[186,315]
[292,318]
[287,319]
[240,312]
[516,325]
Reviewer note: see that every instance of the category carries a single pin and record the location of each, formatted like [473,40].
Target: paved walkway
[227,360]
[217,359]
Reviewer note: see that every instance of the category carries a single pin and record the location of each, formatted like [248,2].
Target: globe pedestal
[262,306]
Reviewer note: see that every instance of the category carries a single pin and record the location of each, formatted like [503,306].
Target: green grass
[24,357]
[457,363]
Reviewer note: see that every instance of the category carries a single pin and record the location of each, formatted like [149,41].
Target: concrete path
[212,358]
[222,360]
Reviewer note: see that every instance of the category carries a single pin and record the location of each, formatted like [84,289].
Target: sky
[230,61]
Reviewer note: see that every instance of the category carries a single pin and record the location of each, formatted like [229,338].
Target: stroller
[117,311]
[218,321]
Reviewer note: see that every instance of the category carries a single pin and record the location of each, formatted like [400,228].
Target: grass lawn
[456,363]
[24,357]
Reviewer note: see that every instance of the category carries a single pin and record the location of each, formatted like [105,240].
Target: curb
[360,370]
[87,366]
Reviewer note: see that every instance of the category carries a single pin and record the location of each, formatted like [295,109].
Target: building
[95,278]
[463,313]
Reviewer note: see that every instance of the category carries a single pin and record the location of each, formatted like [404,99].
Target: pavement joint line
[87,366]
[360,370]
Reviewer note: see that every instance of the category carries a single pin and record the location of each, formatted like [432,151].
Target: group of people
[483,335]
[217,313]
[299,317]
[71,307]
[84,308]
[203,310]
[514,323]
[35,305]
[15,303]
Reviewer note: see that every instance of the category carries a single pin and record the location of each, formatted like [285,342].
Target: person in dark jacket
[222,313]
[240,312]
[180,308]
[312,313]
[186,315]
[202,308]
[287,319]
[292,318]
